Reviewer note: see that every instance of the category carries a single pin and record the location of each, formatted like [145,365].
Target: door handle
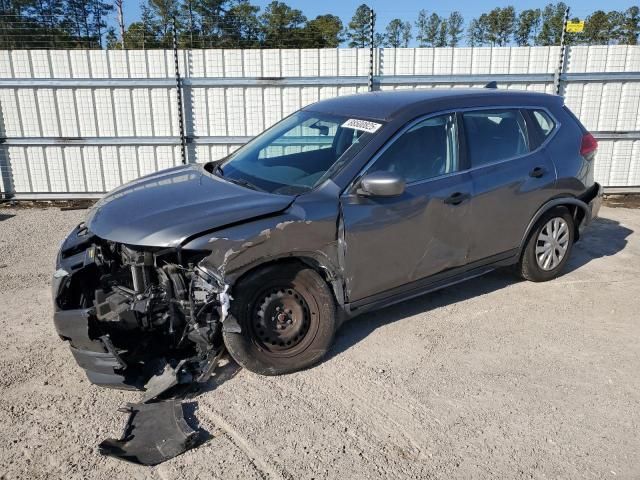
[456,198]
[537,172]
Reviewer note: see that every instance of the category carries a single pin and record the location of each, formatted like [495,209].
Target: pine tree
[358,31]
[528,25]
[454,28]
[630,26]
[324,31]
[433,29]
[421,28]
[552,23]
[393,33]
[282,25]
[164,13]
[442,34]
[477,31]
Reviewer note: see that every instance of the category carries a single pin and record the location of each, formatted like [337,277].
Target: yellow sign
[575,26]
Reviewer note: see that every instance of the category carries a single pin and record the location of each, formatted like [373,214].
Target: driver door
[394,241]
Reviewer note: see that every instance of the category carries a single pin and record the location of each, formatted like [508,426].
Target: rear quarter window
[544,121]
[541,126]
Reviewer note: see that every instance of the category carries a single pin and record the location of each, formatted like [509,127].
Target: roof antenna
[493,84]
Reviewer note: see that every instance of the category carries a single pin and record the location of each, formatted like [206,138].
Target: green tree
[378,40]
[210,20]
[477,31]
[433,29]
[324,31]
[242,27]
[442,34]
[99,12]
[528,26]
[359,30]
[615,32]
[501,25]
[421,28]
[44,20]
[393,34]
[630,26]
[552,23]
[454,28]
[144,33]
[164,12]
[282,26]
[597,28]
[113,42]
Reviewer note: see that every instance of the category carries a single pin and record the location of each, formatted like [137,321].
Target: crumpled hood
[165,208]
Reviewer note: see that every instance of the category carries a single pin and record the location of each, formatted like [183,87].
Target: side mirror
[381,184]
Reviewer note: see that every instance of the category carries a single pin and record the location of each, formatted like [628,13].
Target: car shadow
[604,238]
[6,216]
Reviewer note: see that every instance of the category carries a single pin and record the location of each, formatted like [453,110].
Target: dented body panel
[166,208]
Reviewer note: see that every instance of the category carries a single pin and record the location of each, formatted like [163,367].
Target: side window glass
[494,135]
[428,149]
[544,122]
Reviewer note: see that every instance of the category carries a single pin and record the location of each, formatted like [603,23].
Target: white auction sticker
[364,125]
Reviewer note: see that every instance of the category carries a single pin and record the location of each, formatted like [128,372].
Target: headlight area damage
[141,318]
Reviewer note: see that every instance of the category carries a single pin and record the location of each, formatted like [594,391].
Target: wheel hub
[280,319]
[552,243]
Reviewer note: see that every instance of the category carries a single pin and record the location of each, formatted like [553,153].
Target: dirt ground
[493,378]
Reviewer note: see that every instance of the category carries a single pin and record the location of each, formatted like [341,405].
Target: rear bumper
[101,366]
[593,198]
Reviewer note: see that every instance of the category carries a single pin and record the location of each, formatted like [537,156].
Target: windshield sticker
[364,125]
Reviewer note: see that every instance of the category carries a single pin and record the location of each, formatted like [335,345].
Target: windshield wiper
[244,183]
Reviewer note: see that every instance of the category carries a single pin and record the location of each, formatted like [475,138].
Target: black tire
[529,267]
[287,316]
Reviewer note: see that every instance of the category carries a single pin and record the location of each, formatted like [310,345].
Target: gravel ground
[490,378]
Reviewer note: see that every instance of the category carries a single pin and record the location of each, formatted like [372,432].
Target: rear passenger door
[512,176]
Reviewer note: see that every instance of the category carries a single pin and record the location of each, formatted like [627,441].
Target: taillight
[588,146]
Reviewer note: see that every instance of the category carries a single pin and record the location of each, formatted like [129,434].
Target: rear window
[495,135]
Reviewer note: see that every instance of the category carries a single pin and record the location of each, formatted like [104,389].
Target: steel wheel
[281,321]
[552,243]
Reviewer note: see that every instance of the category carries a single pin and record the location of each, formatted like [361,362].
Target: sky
[408,9]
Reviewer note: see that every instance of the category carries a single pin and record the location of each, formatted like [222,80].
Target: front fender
[240,248]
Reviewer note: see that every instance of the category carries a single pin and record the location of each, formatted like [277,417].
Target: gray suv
[347,205]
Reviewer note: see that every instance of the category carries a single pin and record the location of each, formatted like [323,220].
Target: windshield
[294,155]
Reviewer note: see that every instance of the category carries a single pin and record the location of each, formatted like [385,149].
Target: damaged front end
[132,314]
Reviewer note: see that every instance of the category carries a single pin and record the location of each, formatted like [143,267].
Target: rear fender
[580,210]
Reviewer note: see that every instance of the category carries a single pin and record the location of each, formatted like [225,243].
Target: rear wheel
[549,246]
[287,317]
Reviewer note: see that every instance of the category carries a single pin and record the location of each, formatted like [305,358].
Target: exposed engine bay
[151,310]
[142,318]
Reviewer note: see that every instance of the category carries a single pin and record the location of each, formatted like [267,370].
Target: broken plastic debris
[158,384]
[225,303]
[154,433]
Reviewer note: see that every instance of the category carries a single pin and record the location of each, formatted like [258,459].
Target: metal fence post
[563,56]
[371,48]
[183,141]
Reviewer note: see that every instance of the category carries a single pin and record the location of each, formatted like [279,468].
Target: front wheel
[287,318]
[548,246]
